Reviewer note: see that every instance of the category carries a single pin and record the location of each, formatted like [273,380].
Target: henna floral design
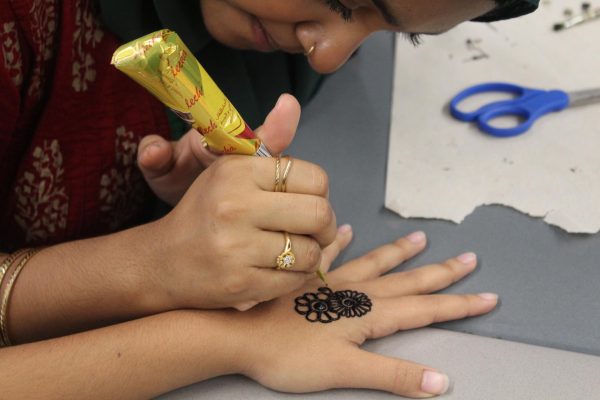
[327,306]
[317,306]
[350,303]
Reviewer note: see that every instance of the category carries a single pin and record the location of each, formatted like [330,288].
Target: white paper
[442,168]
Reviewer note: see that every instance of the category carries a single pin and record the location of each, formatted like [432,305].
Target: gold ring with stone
[286,171]
[286,259]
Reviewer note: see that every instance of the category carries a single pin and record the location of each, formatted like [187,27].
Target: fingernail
[467,258]
[346,228]
[246,306]
[151,145]
[279,101]
[416,237]
[488,296]
[434,382]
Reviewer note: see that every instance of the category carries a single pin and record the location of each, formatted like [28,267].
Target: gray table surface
[547,279]
[480,368]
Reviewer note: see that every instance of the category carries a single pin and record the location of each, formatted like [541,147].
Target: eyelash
[414,38]
[338,7]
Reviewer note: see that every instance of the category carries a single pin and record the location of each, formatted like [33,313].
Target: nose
[333,43]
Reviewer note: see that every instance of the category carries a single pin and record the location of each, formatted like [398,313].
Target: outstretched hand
[310,340]
[171,167]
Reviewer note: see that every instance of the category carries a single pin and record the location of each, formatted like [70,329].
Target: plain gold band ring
[286,172]
[277,186]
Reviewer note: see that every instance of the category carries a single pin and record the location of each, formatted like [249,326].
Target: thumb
[279,128]
[393,375]
[193,141]
[155,156]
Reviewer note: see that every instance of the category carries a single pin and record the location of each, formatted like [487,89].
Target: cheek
[227,23]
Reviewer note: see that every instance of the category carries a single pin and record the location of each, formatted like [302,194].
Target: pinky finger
[393,375]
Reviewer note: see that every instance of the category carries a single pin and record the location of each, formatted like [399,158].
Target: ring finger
[305,251]
[423,280]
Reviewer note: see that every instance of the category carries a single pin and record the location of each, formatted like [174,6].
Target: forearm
[81,285]
[137,359]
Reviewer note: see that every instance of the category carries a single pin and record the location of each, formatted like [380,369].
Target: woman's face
[335,27]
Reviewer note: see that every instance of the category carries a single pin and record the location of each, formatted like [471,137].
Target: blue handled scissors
[529,104]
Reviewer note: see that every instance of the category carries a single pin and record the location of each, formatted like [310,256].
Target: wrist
[224,334]
[141,269]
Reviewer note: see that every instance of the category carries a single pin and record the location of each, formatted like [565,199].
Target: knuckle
[228,210]
[403,246]
[224,167]
[450,267]
[312,254]
[223,246]
[372,258]
[320,181]
[419,281]
[235,284]
[406,380]
[462,309]
[257,167]
[471,303]
[221,163]
[436,310]
[323,213]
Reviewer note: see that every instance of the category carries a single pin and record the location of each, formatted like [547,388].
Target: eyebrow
[384,9]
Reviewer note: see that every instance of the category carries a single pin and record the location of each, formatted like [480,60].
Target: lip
[261,38]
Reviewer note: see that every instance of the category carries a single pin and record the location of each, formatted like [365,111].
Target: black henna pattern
[350,303]
[327,306]
[317,306]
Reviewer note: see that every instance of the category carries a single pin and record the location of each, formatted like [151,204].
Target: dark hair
[508,9]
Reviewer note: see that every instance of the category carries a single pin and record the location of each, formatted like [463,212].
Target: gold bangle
[6,296]
[8,261]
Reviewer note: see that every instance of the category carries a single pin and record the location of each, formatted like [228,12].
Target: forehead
[432,16]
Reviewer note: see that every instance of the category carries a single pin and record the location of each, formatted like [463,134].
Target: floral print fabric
[70,125]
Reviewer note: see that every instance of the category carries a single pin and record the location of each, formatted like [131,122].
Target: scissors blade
[584,97]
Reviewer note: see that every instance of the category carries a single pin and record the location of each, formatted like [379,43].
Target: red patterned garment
[70,125]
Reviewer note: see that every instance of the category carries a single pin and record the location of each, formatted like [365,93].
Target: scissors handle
[529,104]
